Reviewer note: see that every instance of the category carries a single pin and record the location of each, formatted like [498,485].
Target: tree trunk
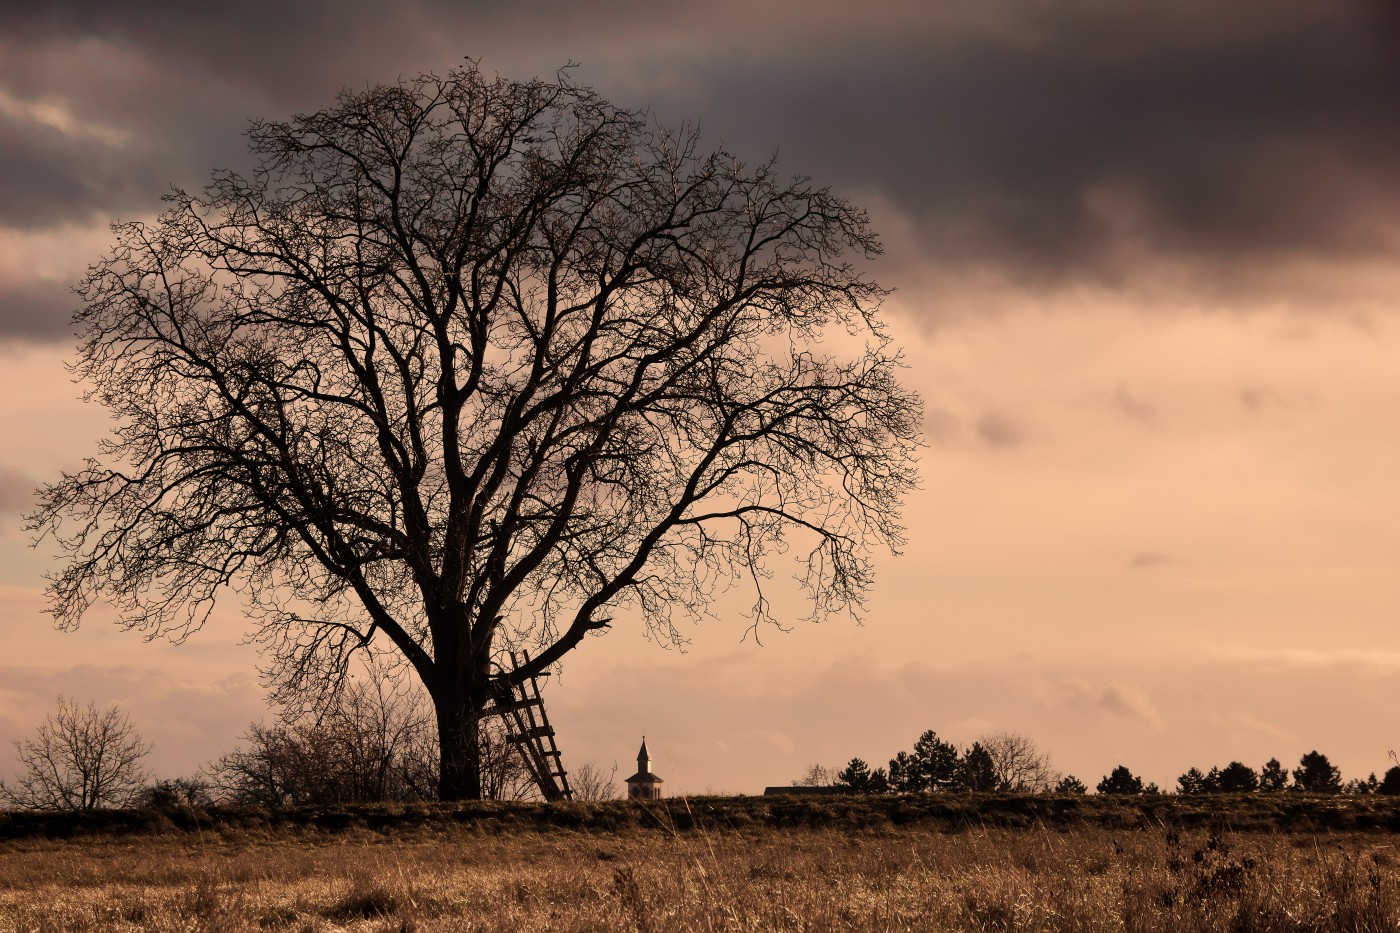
[459,743]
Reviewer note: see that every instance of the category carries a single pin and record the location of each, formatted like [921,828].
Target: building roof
[645,777]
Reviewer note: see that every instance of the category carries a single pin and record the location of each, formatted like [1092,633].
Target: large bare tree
[469,364]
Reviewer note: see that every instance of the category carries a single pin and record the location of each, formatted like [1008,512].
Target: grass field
[520,870]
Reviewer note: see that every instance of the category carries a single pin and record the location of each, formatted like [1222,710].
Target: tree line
[1315,774]
[1003,761]
[373,742]
[1009,762]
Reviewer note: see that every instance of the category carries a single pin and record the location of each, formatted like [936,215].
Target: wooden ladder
[528,729]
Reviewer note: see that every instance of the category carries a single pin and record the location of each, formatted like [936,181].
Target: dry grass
[445,878]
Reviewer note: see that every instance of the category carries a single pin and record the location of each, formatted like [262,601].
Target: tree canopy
[469,364]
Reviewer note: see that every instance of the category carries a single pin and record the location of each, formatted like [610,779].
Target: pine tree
[1273,776]
[1120,781]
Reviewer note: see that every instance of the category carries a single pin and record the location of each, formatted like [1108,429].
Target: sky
[1145,265]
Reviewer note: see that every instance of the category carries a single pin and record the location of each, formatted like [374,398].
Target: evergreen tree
[1357,786]
[1315,774]
[1237,778]
[1390,784]
[977,771]
[1120,781]
[1273,776]
[904,775]
[856,778]
[934,763]
[1192,782]
[1069,784]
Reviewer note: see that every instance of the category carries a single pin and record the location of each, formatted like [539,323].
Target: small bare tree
[590,782]
[817,776]
[80,758]
[1018,763]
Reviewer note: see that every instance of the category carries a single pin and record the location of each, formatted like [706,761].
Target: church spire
[644,785]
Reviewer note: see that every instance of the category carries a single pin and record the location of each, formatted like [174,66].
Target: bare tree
[469,364]
[590,782]
[817,776]
[1018,763]
[81,758]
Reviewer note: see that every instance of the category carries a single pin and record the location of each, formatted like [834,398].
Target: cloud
[1353,661]
[35,309]
[1115,699]
[16,492]
[1143,560]
[1100,152]
[1247,724]
[942,426]
[1256,399]
[1133,407]
[999,431]
[1056,149]
[47,176]
[1237,155]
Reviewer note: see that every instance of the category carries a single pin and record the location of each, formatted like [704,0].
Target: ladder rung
[510,706]
[529,735]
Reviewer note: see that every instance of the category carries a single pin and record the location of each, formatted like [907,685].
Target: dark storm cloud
[1042,160]
[1051,147]
[36,310]
[48,176]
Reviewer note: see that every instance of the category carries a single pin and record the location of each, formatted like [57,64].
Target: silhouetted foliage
[858,777]
[977,772]
[177,793]
[466,364]
[1236,778]
[1192,782]
[904,775]
[1390,783]
[80,758]
[1121,781]
[1069,784]
[1273,777]
[932,765]
[1315,774]
[1367,785]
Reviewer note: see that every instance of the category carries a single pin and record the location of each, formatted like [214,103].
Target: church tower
[644,785]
